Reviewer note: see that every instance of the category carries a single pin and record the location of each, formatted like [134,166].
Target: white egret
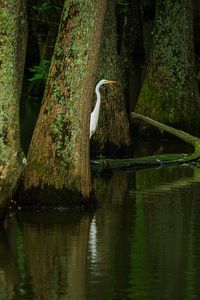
[95,113]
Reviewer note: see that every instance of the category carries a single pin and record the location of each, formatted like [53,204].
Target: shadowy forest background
[53,52]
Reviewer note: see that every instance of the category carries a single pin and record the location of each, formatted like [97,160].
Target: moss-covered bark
[59,150]
[113,127]
[13,36]
[169,93]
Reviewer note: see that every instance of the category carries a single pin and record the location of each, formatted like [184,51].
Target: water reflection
[93,240]
[142,242]
[161,255]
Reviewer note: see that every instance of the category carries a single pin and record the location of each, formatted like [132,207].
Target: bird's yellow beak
[111,81]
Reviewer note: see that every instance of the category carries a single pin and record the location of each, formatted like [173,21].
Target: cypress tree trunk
[13,37]
[59,151]
[169,93]
[197,38]
[132,52]
[113,126]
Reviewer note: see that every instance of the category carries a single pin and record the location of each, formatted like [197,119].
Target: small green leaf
[41,71]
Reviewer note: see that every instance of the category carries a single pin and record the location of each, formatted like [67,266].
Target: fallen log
[188,138]
[102,165]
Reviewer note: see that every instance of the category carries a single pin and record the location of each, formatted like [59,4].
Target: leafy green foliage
[41,71]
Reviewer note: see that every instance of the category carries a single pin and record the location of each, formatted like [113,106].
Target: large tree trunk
[132,52]
[197,38]
[113,126]
[169,93]
[13,34]
[59,151]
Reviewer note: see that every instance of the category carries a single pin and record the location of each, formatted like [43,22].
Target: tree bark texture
[169,93]
[113,126]
[13,38]
[59,151]
[196,36]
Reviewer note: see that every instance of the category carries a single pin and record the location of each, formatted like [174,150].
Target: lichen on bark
[12,19]
[59,151]
[169,93]
[13,37]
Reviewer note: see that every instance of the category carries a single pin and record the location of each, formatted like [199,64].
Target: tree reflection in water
[142,242]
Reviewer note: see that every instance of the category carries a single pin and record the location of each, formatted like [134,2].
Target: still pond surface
[142,242]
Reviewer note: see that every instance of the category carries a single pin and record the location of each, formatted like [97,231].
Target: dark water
[143,242]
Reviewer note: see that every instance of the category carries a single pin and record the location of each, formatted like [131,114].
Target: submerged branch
[156,160]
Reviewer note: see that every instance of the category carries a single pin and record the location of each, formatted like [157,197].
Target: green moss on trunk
[170,93]
[59,151]
[13,36]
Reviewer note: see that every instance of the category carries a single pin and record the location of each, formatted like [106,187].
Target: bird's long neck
[98,100]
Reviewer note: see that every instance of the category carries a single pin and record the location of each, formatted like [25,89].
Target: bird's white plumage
[95,113]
